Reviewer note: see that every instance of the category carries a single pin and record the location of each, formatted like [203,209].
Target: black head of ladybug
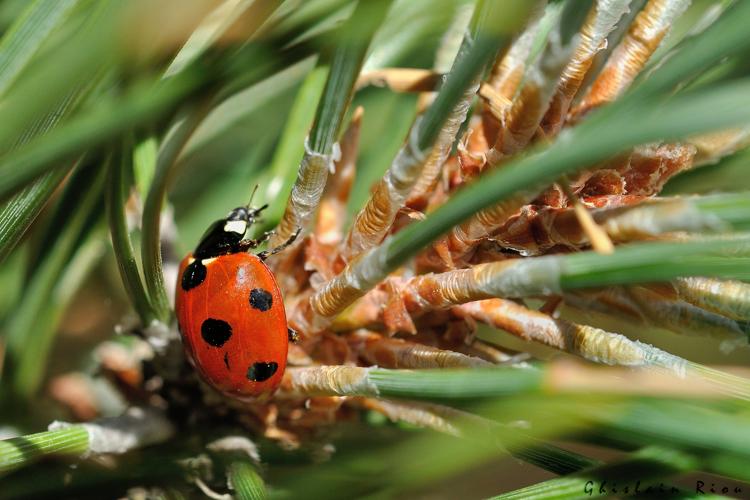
[224,235]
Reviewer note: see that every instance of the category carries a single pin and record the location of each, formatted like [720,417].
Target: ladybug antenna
[252,195]
[254,212]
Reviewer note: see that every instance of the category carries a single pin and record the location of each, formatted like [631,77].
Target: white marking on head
[235,226]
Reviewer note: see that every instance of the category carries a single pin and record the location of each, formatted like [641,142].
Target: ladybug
[230,311]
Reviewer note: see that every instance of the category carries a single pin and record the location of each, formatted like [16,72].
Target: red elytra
[233,323]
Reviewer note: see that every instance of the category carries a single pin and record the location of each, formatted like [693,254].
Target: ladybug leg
[267,253]
[245,245]
[293,335]
[266,236]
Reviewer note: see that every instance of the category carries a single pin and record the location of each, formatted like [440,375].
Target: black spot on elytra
[215,332]
[194,275]
[226,360]
[260,299]
[258,372]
